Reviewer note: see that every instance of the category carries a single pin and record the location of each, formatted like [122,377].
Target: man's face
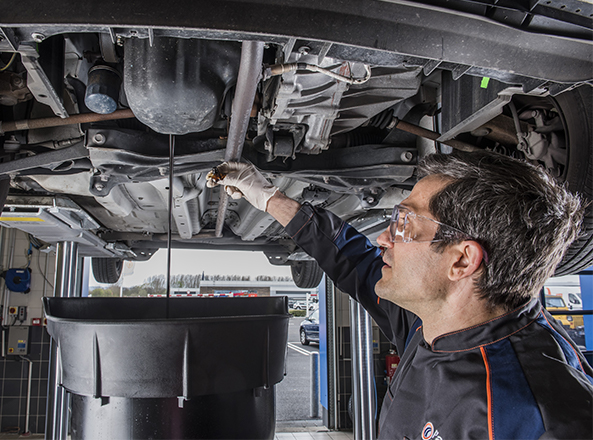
[414,273]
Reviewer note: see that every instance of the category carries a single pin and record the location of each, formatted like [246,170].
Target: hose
[520,140]
[9,62]
[279,69]
[83,118]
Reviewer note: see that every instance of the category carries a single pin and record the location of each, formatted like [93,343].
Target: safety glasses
[407,226]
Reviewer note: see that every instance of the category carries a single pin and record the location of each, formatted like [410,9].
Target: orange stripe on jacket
[489,394]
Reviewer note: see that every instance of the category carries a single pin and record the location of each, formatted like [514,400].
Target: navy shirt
[518,376]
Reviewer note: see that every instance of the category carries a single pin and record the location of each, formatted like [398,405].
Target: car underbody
[98,102]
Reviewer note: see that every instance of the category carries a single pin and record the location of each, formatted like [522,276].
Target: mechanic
[454,287]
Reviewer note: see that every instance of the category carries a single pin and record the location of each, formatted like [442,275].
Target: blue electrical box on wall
[18,280]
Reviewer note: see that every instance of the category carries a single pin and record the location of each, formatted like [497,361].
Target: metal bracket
[478,118]
[50,160]
[39,83]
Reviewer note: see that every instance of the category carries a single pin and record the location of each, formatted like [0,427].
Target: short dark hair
[522,217]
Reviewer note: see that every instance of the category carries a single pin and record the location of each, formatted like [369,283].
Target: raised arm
[282,208]
[344,254]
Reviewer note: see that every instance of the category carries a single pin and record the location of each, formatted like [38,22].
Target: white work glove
[242,180]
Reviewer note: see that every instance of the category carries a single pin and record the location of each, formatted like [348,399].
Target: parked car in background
[572,300]
[573,324]
[569,287]
[309,331]
[556,303]
[299,305]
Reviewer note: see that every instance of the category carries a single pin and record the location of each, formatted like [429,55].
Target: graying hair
[520,215]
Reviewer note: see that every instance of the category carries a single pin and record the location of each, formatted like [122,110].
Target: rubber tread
[107,270]
[306,274]
[577,108]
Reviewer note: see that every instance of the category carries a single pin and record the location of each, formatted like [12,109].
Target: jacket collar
[490,331]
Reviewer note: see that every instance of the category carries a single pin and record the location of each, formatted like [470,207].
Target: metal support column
[58,400]
[314,394]
[328,353]
[361,330]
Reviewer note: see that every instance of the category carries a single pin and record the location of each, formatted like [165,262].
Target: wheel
[304,340]
[107,270]
[306,274]
[569,158]
[576,107]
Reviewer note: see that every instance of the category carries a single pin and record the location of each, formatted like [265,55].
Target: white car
[298,305]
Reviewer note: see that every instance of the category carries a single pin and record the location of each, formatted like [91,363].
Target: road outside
[292,394]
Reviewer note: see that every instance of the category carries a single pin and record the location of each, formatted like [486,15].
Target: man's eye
[409,227]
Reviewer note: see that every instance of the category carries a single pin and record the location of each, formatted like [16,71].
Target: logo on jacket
[429,433]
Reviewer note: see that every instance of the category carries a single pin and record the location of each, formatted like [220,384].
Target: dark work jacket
[518,376]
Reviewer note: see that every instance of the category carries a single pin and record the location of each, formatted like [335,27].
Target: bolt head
[17,81]
[407,156]
[38,37]
[99,139]
[99,186]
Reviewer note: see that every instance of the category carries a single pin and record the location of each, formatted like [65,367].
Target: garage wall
[14,370]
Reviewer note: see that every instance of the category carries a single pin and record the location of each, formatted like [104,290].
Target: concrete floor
[333,435]
[297,435]
[298,431]
[14,436]
[308,430]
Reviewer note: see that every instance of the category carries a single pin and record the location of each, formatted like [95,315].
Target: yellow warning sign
[21,219]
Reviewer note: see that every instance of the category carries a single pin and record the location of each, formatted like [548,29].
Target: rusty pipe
[432,135]
[249,75]
[83,118]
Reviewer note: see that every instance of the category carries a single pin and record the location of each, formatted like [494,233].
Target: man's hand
[242,180]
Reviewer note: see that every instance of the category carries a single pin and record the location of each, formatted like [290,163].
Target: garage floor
[314,436]
[311,429]
[308,430]
[333,435]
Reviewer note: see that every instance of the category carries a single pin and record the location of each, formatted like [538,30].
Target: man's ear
[466,259]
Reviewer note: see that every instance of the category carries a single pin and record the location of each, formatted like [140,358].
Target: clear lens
[402,228]
[407,226]
[396,227]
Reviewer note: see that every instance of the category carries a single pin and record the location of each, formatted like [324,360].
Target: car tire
[107,270]
[576,107]
[306,274]
[303,337]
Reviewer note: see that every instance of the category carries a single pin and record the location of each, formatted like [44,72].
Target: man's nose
[384,240]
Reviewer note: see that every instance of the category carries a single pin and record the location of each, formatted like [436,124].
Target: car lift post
[363,376]
[58,399]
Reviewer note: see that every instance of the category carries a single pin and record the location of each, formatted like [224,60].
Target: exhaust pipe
[249,74]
